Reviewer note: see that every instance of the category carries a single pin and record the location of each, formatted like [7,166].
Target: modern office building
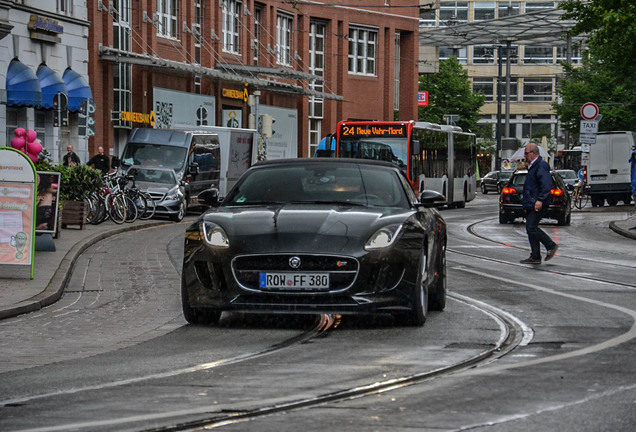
[518,44]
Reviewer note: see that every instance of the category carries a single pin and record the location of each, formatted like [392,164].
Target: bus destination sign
[370,131]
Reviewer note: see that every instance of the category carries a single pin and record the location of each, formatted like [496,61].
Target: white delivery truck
[608,169]
[203,158]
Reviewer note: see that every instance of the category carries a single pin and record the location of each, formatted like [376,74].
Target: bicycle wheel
[150,206]
[131,209]
[139,200]
[117,209]
[583,200]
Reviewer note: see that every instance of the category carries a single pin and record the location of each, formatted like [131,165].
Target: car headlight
[383,238]
[214,235]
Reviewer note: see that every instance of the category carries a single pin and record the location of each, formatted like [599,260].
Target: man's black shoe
[551,252]
[634,227]
[531,261]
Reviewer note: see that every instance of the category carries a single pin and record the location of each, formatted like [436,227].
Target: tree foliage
[450,92]
[608,73]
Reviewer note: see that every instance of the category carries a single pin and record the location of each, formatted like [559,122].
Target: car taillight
[508,190]
[556,192]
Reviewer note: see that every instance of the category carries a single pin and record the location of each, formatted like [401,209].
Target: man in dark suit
[536,200]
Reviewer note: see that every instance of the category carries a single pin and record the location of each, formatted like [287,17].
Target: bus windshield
[154,155]
[394,150]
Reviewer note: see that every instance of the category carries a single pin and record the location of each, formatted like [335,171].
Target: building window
[428,17]
[483,10]
[196,29]
[537,89]
[483,54]
[284,26]
[575,55]
[513,52]
[514,89]
[122,72]
[396,72]
[64,7]
[458,52]
[508,8]
[258,30]
[362,49]
[484,86]
[536,126]
[317,37]
[453,12]
[540,5]
[538,55]
[231,26]
[168,12]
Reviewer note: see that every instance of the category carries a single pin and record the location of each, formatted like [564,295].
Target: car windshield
[153,176]
[319,183]
[154,155]
[567,175]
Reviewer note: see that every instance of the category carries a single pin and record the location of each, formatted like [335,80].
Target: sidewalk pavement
[53,268]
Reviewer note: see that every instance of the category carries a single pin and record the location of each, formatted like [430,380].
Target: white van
[213,157]
[608,171]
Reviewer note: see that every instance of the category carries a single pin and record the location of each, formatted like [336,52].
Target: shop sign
[45,29]
[235,94]
[17,209]
[137,117]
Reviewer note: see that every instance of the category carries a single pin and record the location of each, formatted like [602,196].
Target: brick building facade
[184,63]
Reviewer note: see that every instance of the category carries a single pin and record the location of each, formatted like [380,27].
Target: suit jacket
[537,185]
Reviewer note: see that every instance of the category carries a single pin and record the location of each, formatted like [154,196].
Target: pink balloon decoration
[18,143]
[19,132]
[33,157]
[31,135]
[35,147]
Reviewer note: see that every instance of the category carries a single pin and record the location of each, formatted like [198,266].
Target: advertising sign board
[17,211]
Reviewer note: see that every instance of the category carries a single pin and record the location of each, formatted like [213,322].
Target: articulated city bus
[426,152]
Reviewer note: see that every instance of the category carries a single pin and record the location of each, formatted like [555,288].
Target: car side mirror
[430,199]
[209,197]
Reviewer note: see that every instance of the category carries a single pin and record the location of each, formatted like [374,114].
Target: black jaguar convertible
[316,235]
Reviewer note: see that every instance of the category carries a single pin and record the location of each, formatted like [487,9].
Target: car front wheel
[417,315]
[197,315]
[483,189]
[437,298]
[180,214]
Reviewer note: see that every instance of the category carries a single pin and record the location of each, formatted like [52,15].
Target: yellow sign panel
[136,117]
[235,94]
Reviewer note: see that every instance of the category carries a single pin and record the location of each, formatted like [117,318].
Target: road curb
[623,232]
[59,281]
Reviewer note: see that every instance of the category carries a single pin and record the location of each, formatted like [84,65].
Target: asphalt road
[115,353]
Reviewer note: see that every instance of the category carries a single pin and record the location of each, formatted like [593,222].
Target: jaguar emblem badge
[294,262]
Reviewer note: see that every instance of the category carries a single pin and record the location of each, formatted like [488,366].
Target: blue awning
[23,87]
[51,84]
[78,89]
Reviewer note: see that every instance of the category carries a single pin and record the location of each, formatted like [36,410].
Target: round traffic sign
[589,111]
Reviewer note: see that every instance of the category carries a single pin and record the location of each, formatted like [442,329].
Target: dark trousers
[536,236]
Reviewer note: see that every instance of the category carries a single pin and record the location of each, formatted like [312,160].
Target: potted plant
[77,183]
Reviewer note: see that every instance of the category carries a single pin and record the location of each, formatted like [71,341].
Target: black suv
[510,199]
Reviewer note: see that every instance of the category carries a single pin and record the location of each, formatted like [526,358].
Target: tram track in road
[552,269]
[512,333]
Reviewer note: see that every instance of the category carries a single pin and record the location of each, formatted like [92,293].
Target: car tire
[483,189]
[197,315]
[416,317]
[437,296]
[611,201]
[180,214]
[503,219]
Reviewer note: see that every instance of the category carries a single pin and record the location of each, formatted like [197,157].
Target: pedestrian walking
[100,161]
[536,201]
[632,161]
[70,158]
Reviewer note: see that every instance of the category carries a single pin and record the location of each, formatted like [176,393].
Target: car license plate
[294,280]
